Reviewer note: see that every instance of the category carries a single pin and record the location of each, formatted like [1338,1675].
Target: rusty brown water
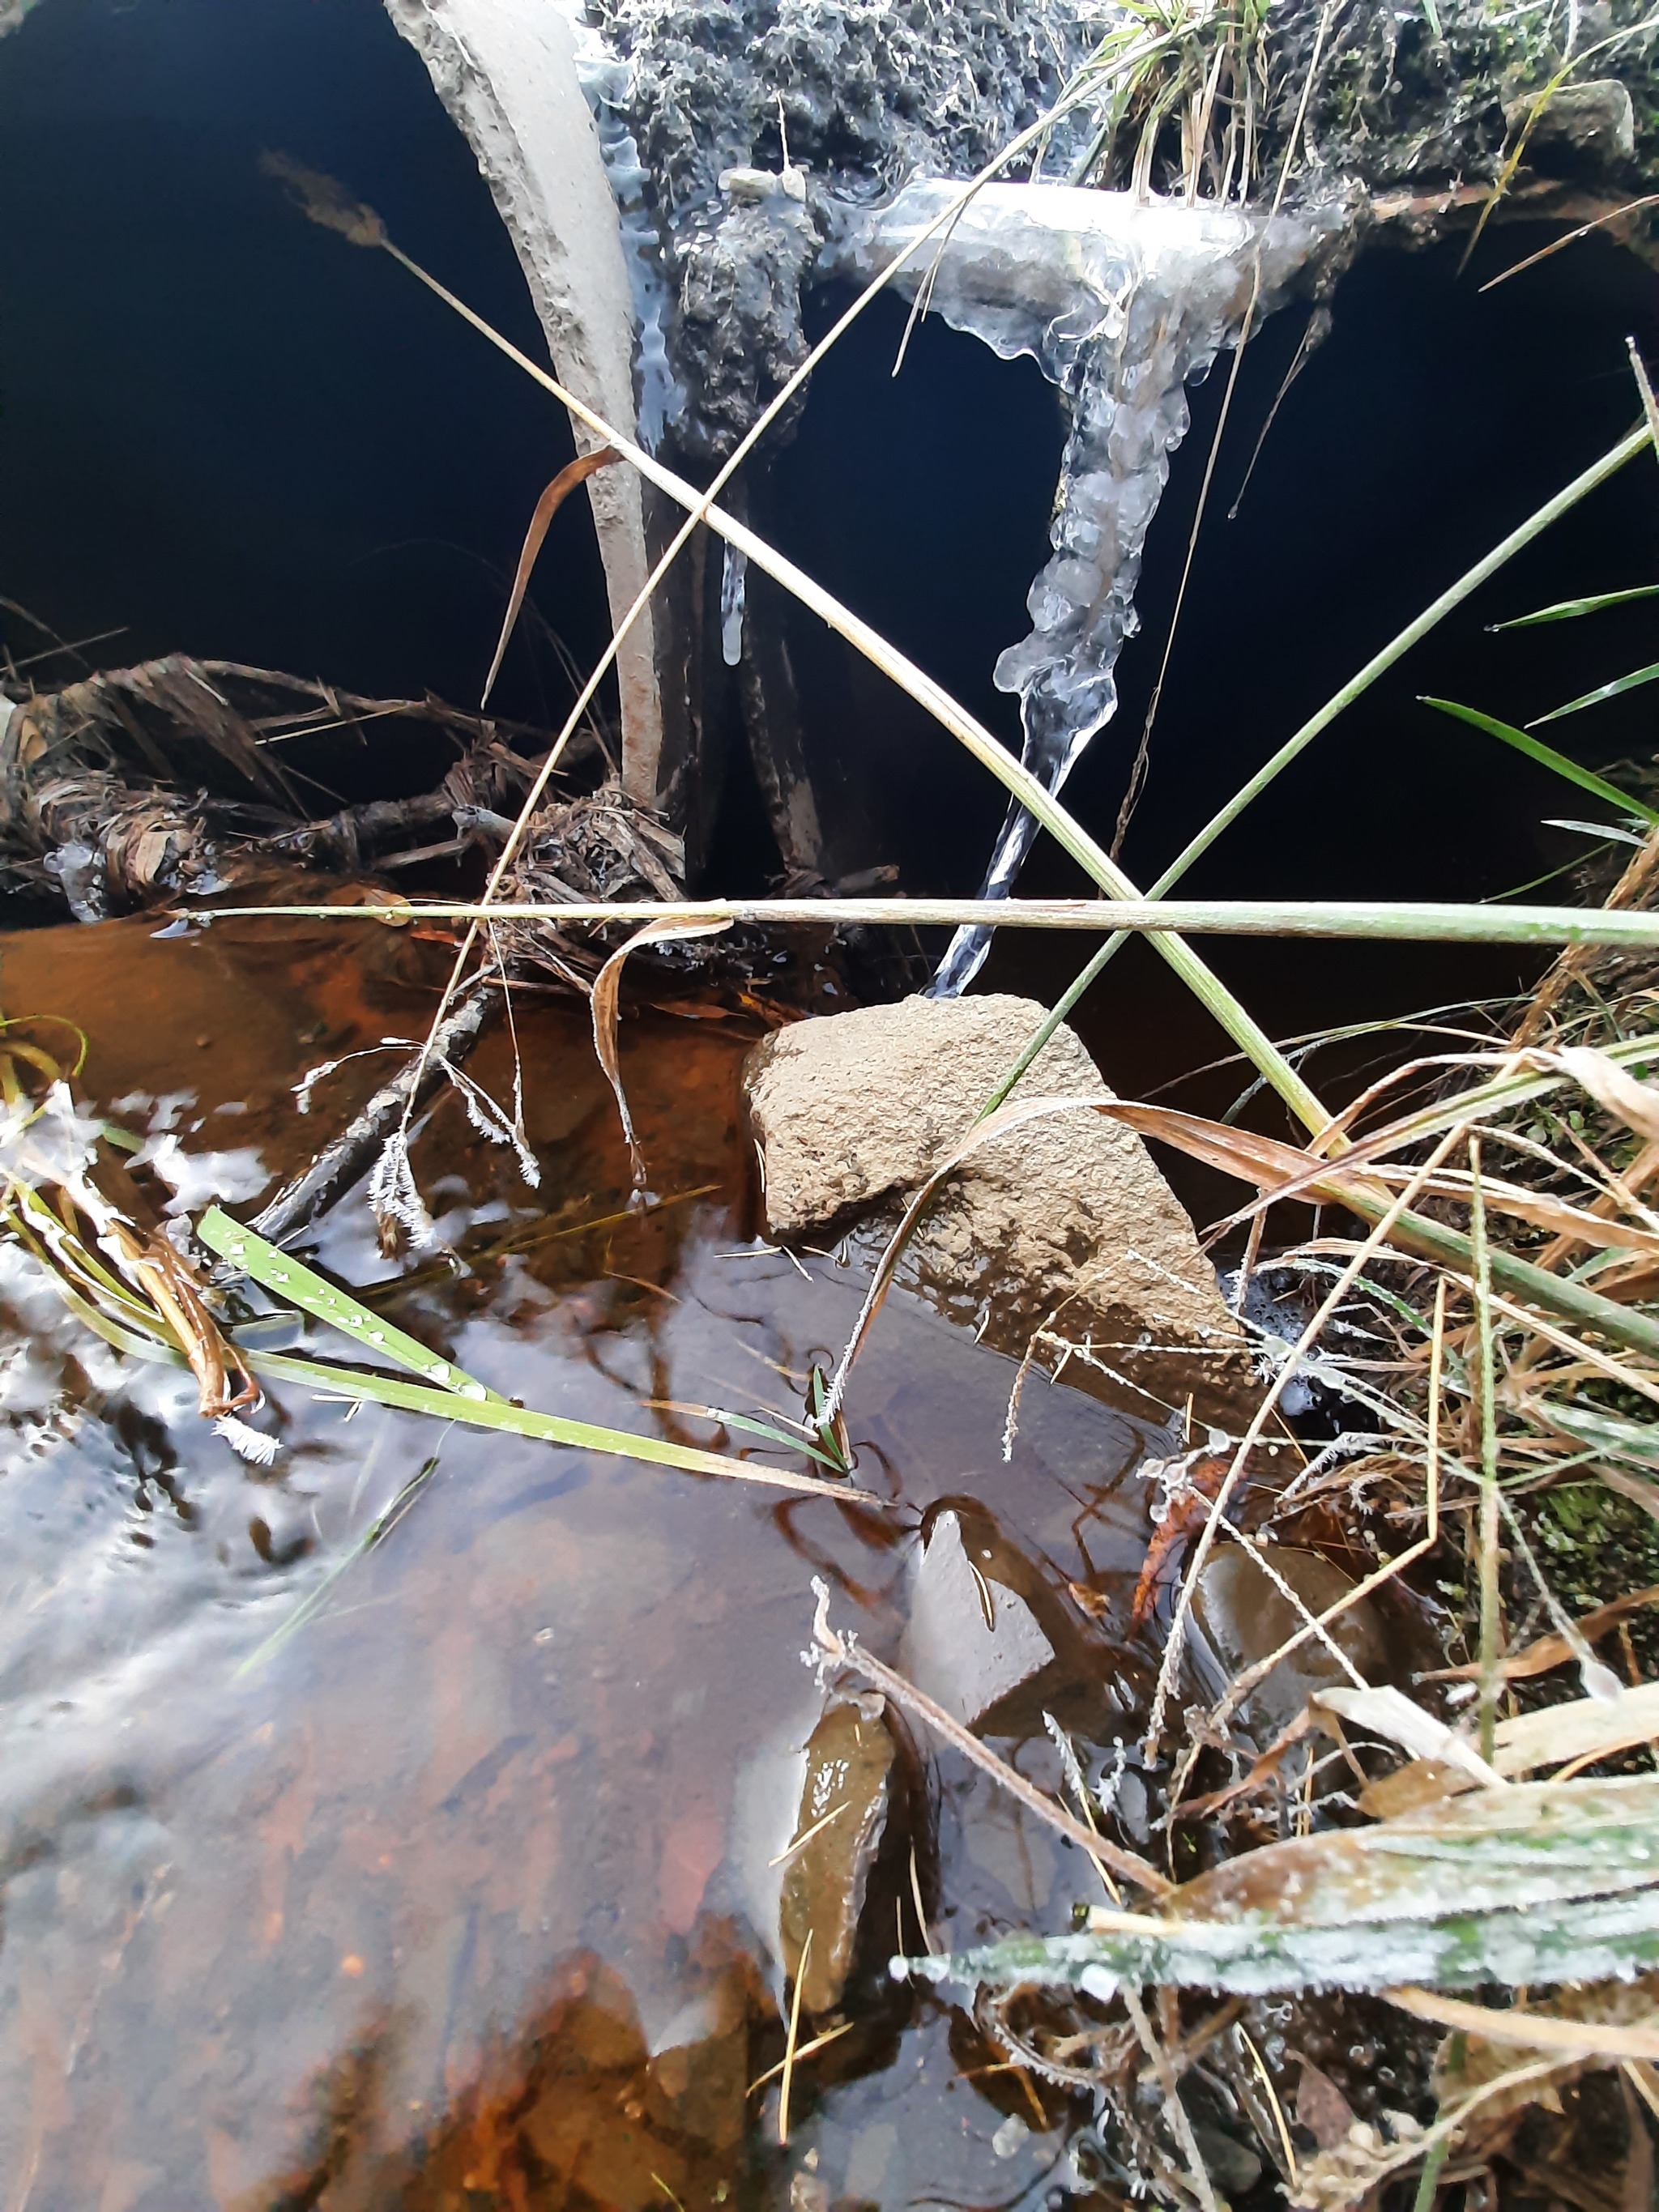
[458,1896]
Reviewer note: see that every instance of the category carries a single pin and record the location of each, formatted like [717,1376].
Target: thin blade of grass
[508,1420]
[1490,1681]
[1407,921]
[1546,756]
[606,1006]
[1568,610]
[786,1439]
[1471,581]
[1616,690]
[319,1596]
[1571,238]
[285,1277]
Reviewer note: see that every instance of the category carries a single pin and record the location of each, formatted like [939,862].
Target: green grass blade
[1546,757]
[491,1413]
[285,1277]
[1570,610]
[508,1420]
[772,1432]
[1619,684]
[320,1592]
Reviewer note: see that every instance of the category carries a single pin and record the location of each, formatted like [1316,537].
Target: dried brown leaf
[1635,1103]
[1586,1729]
[1419,1783]
[1321,2108]
[546,506]
[607,988]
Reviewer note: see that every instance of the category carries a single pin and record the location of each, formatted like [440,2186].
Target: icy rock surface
[1121,302]
[866,93]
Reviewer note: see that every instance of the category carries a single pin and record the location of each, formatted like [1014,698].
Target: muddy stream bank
[460,1893]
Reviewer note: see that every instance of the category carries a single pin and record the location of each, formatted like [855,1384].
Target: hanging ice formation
[732,576]
[1121,302]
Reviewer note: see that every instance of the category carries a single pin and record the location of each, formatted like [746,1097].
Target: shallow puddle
[457,1892]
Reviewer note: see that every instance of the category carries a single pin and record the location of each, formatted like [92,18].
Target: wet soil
[458,1894]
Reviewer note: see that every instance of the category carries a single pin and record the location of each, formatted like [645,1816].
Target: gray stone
[1241,1616]
[967,1643]
[1592,125]
[1065,1216]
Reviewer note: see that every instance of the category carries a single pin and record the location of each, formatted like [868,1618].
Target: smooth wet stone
[1233,2167]
[1241,1617]
[846,1798]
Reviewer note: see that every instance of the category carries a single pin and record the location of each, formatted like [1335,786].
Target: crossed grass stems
[1500,1378]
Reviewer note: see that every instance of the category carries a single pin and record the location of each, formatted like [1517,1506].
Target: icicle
[731,600]
[1121,302]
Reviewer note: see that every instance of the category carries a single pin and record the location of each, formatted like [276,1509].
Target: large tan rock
[851,1112]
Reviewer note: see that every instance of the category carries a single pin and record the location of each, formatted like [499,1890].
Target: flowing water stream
[457,1892]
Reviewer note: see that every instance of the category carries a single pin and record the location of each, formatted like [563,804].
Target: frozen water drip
[1121,301]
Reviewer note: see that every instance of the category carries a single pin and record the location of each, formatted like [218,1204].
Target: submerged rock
[971,1639]
[844,1805]
[1241,1616]
[1065,1218]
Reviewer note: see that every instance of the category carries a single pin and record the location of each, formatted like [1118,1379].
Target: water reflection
[458,1895]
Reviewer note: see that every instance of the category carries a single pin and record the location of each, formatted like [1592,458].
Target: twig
[1174,2111]
[340,1164]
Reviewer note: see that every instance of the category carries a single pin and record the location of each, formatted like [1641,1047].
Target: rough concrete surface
[852,1112]
[507,75]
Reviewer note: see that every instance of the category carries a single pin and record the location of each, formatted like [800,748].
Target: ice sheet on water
[1121,302]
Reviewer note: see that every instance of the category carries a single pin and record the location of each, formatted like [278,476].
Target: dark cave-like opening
[225,430]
